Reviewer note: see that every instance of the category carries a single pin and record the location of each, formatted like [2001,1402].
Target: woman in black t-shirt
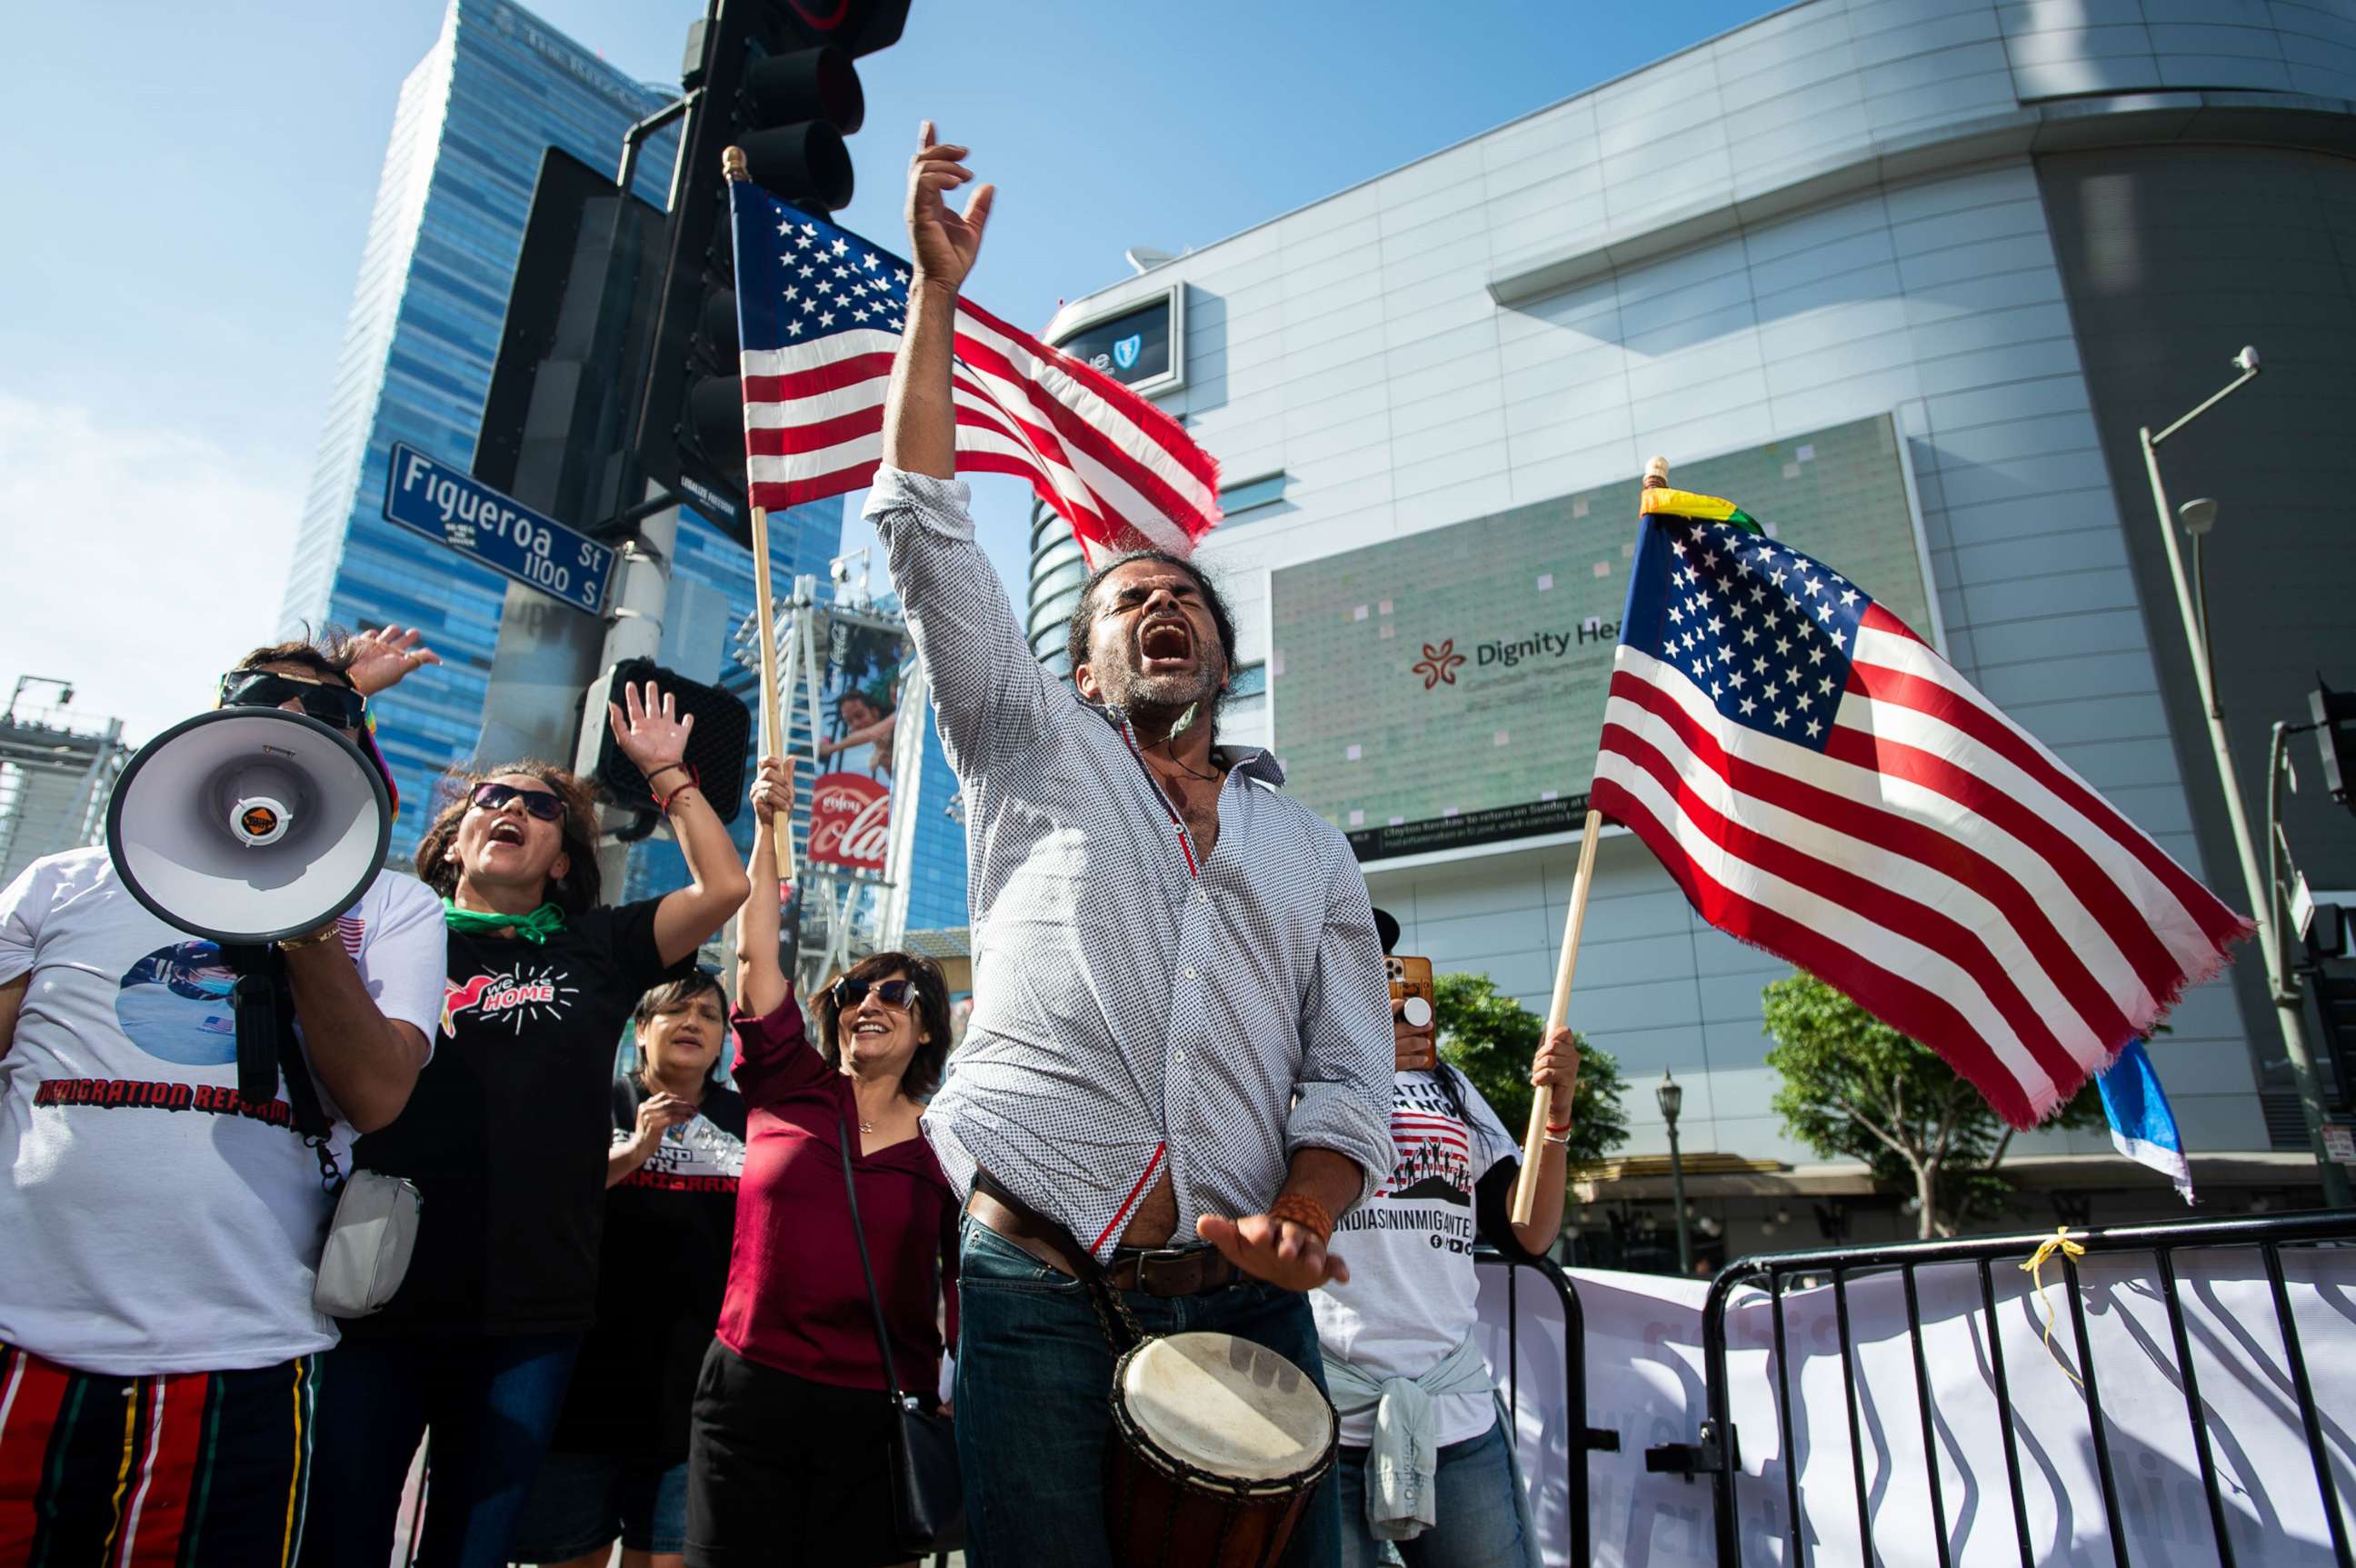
[506,1137]
[618,1465]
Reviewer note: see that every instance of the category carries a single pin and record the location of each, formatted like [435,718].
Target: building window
[1247,495]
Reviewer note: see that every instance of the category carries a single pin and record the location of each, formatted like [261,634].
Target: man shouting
[1179,1065]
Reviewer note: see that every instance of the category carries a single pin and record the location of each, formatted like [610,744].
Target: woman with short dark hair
[506,1138]
[787,1455]
[618,1465]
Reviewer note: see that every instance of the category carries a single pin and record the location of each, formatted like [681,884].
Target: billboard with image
[851,798]
[1446,689]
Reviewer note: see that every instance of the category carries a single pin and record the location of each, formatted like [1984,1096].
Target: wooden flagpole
[773,731]
[1526,1187]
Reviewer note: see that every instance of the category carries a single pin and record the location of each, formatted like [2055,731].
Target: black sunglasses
[331,704]
[849,992]
[542,803]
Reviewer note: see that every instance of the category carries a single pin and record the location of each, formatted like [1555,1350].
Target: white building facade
[2015,231]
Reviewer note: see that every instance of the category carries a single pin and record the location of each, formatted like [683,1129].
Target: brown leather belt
[1157,1271]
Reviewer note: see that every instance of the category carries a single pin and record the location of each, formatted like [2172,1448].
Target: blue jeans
[492,1404]
[1034,1411]
[1478,1522]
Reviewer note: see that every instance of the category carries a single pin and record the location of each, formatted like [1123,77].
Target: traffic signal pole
[616,339]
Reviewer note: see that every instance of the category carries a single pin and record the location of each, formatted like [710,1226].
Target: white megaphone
[247,825]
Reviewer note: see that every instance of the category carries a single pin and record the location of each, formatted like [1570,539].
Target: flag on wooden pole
[1825,786]
[819,315]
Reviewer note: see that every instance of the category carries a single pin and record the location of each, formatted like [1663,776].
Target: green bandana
[535,928]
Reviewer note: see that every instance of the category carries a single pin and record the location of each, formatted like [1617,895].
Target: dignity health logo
[1440,661]
[1438,664]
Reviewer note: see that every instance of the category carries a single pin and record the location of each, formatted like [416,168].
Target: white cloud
[141,560]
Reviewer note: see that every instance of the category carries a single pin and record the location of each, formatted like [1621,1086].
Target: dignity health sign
[1446,689]
[1645,1380]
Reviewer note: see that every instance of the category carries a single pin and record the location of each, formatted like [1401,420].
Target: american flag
[820,313]
[1825,786]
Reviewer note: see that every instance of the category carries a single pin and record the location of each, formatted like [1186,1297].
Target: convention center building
[1903,279]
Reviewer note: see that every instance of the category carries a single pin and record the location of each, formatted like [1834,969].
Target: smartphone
[1412,987]
[1411,982]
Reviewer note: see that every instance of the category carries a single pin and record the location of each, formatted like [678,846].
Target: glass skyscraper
[498,87]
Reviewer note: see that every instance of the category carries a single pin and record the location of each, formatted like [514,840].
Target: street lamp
[1672,1097]
[2199,517]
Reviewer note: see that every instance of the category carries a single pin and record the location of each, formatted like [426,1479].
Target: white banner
[1645,1380]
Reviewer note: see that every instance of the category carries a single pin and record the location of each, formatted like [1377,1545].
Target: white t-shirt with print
[1412,1290]
[148,1223]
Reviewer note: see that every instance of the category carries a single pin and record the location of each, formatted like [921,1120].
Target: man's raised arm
[987,688]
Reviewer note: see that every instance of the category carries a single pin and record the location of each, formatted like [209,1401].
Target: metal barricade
[1716,1455]
[1584,1439]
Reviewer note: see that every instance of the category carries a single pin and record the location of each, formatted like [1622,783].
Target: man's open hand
[944,243]
[1282,1252]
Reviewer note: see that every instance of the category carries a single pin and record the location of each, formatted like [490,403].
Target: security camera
[2246,361]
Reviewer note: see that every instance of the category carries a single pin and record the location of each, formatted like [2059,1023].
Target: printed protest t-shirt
[507,1132]
[1412,1289]
[150,1219]
[660,1271]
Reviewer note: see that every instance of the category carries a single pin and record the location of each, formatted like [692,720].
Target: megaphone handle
[255,1001]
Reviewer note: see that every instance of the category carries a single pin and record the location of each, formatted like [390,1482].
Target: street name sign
[453,508]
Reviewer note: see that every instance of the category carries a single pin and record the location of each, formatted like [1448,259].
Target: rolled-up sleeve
[1341,1099]
[988,691]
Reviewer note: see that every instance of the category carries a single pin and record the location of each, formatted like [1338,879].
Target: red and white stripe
[1121,471]
[1935,862]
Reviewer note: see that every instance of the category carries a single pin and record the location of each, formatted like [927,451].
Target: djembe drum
[1222,1444]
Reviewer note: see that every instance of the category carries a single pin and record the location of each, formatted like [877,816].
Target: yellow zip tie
[2035,1269]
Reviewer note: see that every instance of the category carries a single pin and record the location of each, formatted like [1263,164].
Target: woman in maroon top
[787,1456]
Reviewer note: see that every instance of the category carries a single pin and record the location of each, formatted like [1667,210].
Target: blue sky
[189,188]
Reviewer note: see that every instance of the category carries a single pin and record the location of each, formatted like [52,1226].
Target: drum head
[1229,1406]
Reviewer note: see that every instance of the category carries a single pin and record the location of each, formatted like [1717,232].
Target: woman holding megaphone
[506,1137]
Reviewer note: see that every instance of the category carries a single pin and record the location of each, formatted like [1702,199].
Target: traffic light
[2334,714]
[557,420]
[775,78]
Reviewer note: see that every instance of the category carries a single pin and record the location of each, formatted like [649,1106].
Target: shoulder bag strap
[874,1303]
[302,1093]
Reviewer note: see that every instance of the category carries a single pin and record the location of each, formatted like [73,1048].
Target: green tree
[1492,1039]
[1855,1087]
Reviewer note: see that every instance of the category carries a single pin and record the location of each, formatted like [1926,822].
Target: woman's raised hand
[773,790]
[653,732]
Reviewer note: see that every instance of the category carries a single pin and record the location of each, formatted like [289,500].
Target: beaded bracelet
[1305,1212]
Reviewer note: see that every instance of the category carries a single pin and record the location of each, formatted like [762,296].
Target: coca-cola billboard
[851,820]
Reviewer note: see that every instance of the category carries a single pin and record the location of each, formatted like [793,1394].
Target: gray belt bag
[368,1244]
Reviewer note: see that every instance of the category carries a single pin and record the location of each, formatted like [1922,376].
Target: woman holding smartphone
[1426,1470]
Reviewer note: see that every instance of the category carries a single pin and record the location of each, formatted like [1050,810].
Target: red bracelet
[1552,1128]
[694,781]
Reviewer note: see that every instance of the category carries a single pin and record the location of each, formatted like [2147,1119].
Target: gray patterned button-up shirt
[1129,1016]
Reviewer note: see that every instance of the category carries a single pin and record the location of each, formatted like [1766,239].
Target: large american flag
[1826,786]
[820,315]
